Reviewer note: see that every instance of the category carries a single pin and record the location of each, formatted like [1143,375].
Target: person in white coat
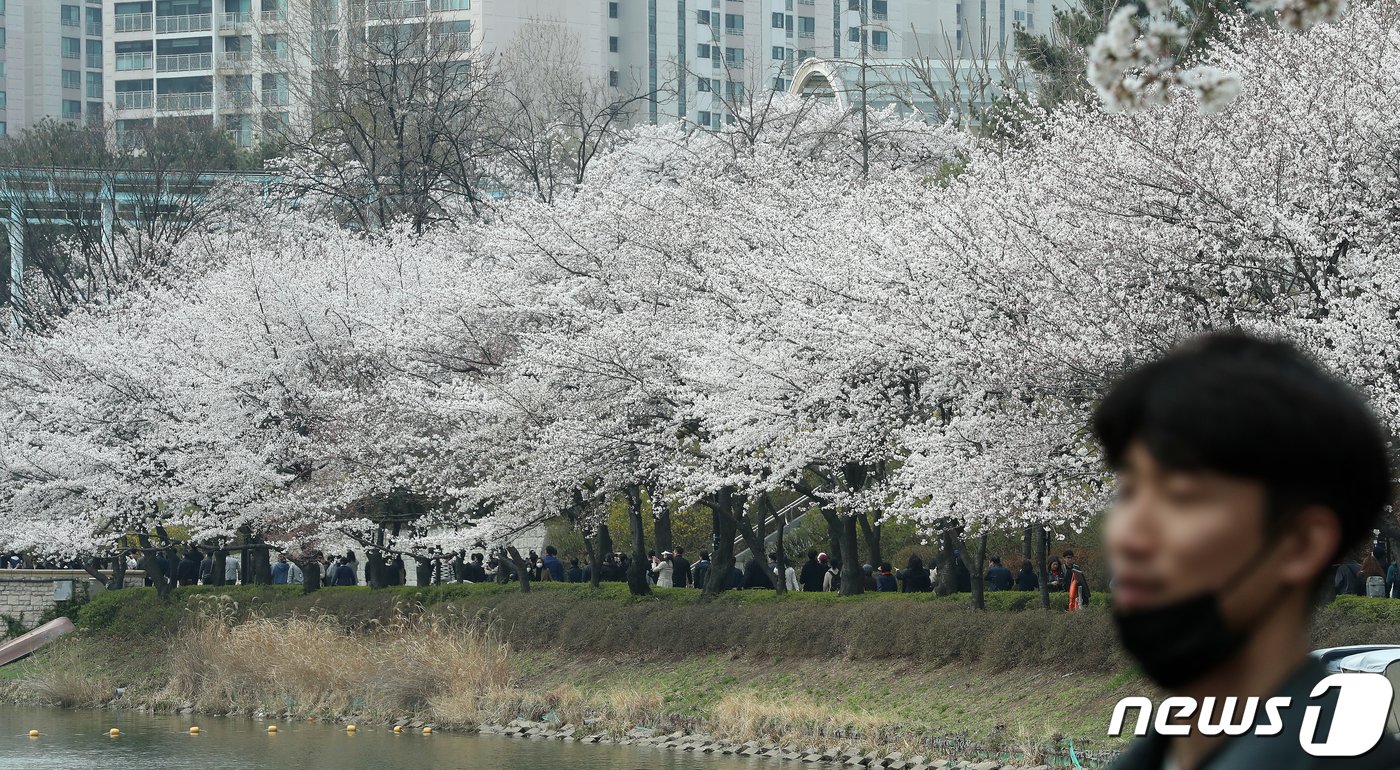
[661,567]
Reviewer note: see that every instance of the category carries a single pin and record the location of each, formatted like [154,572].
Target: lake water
[78,740]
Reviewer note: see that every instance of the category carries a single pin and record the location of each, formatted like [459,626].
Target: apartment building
[50,62]
[230,63]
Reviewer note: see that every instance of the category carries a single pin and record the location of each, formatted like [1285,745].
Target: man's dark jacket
[1273,752]
[811,575]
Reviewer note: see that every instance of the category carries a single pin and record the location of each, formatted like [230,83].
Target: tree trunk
[216,572]
[1027,543]
[661,518]
[119,571]
[637,570]
[1042,567]
[261,559]
[974,564]
[425,571]
[595,573]
[378,570]
[872,539]
[722,558]
[521,567]
[948,547]
[310,575]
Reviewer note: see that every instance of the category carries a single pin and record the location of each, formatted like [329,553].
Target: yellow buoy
[427,731]
[272,728]
[114,732]
[33,733]
[194,731]
[398,728]
[350,728]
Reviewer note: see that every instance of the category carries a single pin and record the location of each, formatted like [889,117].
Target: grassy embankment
[884,671]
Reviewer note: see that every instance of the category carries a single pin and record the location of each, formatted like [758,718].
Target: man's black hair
[1256,409]
[551,550]
[996,560]
[1067,555]
[812,554]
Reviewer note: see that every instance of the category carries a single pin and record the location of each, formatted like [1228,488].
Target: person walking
[1055,579]
[280,570]
[344,572]
[813,572]
[999,578]
[914,577]
[680,568]
[187,573]
[206,569]
[700,571]
[233,567]
[552,564]
[884,579]
[663,568]
[294,574]
[1078,583]
[1026,579]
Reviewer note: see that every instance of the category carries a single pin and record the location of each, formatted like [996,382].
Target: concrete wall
[26,594]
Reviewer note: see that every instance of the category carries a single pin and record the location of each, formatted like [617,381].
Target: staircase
[803,503]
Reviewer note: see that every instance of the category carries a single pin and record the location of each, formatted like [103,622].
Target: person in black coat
[915,576]
[475,570]
[700,571]
[756,574]
[187,574]
[812,574]
[680,569]
[999,578]
[573,574]
[1026,579]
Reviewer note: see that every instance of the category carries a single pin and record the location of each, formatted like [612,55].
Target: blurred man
[1244,472]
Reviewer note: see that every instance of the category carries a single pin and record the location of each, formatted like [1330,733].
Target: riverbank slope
[884,672]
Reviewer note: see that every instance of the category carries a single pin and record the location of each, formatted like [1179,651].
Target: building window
[880,39]
[880,9]
[803,54]
[780,84]
[2,100]
[853,5]
[612,10]
[778,53]
[612,44]
[94,112]
[778,22]
[806,26]
[4,129]
[2,7]
[72,109]
[94,54]
[704,118]
[2,69]
[72,48]
[71,15]
[703,50]
[1030,20]
[439,5]
[734,23]
[702,85]
[702,16]
[733,56]
[613,78]
[853,34]
[94,85]
[733,90]
[71,79]
[2,37]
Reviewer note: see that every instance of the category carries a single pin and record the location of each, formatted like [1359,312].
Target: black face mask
[1178,642]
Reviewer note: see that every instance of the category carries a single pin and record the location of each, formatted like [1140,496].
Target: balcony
[230,22]
[397,9]
[241,137]
[127,62]
[235,60]
[276,98]
[94,60]
[807,33]
[132,22]
[94,28]
[274,15]
[135,100]
[185,102]
[177,25]
[184,62]
[239,99]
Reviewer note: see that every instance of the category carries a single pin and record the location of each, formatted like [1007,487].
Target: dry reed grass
[61,674]
[313,666]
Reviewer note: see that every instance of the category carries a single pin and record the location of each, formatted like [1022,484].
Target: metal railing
[395,9]
[235,59]
[135,61]
[94,28]
[239,98]
[276,98]
[94,60]
[184,62]
[234,19]
[182,102]
[191,22]
[274,14]
[132,22]
[135,100]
